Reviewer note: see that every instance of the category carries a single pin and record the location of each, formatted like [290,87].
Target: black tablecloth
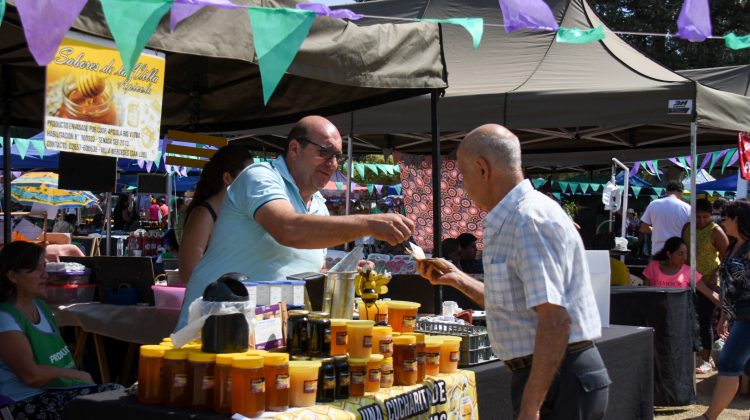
[627,353]
[670,312]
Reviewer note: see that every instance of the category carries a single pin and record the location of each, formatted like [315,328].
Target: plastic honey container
[402,315]
[248,386]
[276,369]
[420,356]
[432,355]
[223,382]
[200,380]
[382,341]
[376,311]
[338,337]
[149,374]
[405,360]
[358,376]
[174,377]
[450,353]
[386,373]
[372,382]
[304,383]
[359,342]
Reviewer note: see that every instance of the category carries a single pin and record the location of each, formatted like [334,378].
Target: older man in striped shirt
[541,312]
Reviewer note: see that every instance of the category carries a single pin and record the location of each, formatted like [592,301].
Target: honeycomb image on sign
[85,97]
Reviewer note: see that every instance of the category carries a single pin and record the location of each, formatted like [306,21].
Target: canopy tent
[570,104]
[735,79]
[728,183]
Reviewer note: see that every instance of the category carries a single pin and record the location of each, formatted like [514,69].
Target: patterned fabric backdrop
[459,214]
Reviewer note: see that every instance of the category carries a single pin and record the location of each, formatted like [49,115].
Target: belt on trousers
[524,362]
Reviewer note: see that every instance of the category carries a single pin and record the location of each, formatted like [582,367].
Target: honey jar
[276,369]
[149,374]
[248,386]
[405,360]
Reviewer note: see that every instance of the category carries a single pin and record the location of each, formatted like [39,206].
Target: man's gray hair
[497,144]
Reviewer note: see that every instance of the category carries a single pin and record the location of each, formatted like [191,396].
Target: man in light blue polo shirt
[274,221]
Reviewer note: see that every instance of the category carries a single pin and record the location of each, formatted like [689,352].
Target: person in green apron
[37,373]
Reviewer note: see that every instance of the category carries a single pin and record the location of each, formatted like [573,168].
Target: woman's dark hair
[230,158]
[17,256]
[670,246]
[703,206]
[739,210]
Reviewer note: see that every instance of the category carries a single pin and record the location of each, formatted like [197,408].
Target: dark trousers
[705,309]
[580,389]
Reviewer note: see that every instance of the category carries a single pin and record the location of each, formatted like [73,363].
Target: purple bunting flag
[149,165]
[183,9]
[323,10]
[527,14]
[706,159]
[140,162]
[634,170]
[45,23]
[694,22]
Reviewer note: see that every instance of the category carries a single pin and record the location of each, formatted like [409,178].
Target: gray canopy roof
[734,79]
[212,79]
[599,99]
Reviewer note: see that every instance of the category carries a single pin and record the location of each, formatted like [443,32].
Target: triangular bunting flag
[527,14]
[475,27]
[397,187]
[734,159]
[636,190]
[38,145]
[183,171]
[181,11]
[634,170]
[715,157]
[556,195]
[277,35]
[168,168]
[132,22]
[721,193]
[659,190]
[595,187]
[360,168]
[339,185]
[654,197]
[140,163]
[573,187]
[684,163]
[585,187]
[538,182]
[372,167]
[727,158]
[370,187]
[397,169]
[706,159]
[734,42]
[2,11]
[382,168]
[579,36]
[710,193]
[379,188]
[45,23]
[149,165]
[676,162]
[22,145]
[563,186]
[158,158]
[655,167]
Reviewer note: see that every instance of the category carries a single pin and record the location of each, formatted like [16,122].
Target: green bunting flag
[475,27]
[38,145]
[636,190]
[132,22]
[372,167]
[386,169]
[397,187]
[573,187]
[714,157]
[655,164]
[585,187]
[2,11]
[654,197]
[710,193]
[158,162]
[538,182]
[339,185]
[595,187]
[721,193]
[556,195]
[659,190]
[370,187]
[360,168]
[684,163]
[397,169]
[734,42]
[277,34]
[579,36]
[22,145]
[727,158]
[563,186]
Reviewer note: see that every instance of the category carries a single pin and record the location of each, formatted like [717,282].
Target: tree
[661,17]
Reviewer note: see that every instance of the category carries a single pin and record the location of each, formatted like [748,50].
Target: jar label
[341,338]
[311,386]
[208,383]
[344,379]
[386,378]
[410,365]
[433,359]
[367,341]
[409,322]
[421,358]
[455,356]
[358,378]
[374,375]
[257,386]
[282,381]
[329,382]
[386,346]
[467,406]
[180,380]
[386,367]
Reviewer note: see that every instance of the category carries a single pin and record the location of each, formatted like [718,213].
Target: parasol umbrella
[41,187]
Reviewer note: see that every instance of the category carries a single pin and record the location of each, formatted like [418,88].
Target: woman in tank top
[202,212]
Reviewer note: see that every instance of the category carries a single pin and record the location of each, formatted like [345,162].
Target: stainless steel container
[338,297]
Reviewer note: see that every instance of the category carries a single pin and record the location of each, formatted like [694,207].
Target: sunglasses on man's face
[325,152]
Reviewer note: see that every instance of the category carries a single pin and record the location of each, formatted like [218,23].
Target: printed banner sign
[92,108]
[744,150]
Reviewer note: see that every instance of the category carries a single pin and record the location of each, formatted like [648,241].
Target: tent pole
[107,223]
[693,199]
[349,163]
[6,155]
[436,175]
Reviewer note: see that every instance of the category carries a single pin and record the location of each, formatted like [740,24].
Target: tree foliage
[661,17]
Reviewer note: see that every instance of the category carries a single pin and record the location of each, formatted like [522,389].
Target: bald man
[274,222]
[541,312]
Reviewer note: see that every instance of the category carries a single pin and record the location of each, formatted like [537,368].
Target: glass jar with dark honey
[341,364]
[326,380]
[320,334]
[297,332]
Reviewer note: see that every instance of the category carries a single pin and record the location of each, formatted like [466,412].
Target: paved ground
[739,409]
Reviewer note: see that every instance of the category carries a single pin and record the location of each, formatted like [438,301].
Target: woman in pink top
[668,268]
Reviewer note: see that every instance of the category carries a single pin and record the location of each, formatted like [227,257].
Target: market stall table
[132,324]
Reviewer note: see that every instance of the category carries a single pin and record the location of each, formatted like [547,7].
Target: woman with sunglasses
[734,360]
[38,376]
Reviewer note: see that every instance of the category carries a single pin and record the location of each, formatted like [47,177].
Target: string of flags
[278,33]
[583,188]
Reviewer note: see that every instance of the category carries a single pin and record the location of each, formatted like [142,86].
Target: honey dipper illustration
[91,85]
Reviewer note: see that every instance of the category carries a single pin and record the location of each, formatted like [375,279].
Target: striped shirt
[533,255]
